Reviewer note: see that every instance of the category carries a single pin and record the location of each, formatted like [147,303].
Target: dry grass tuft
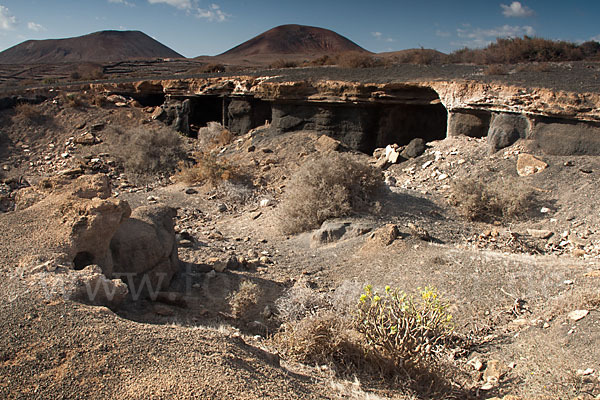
[29,114]
[213,135]
[73,100]
[282,63]
[527,49]
[208,168]
[210,69]
[327,186]
[299,302]
[247,296]
[496,69]
[327,339]
[147,153]
[477,201]
[357,60]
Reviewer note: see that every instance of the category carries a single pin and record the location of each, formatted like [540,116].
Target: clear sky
[210,27]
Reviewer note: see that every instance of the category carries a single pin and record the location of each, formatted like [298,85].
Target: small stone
[442,177]
[546,325]
[87,139]
[325,143]
[426,164]
[152,199]
[578,253]
[221,207]
[495,370]
[593,274]
[487,386]
[162,309]
[476,364]
[219,265]
[211,274]
[529,165]
[256,215]
[544,210]
[191,191]
[540,233]
[266,203]
[391,154]
[72,172]
[65,155]
[585,372]
[576,315]
[251,149]
[264,259]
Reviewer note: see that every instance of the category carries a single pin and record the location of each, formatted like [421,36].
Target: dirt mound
[295,39]
[101,46]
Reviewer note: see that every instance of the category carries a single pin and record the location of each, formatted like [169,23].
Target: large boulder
[468,123]
[334,231]
[414,149]
[506,129]
[91,286]
[175,113]
[144,250]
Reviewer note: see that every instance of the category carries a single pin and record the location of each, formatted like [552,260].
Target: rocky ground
[576,76]
[524,292]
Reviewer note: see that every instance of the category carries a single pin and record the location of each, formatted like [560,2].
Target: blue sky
[209,27]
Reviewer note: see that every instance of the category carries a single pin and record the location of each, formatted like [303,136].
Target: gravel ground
[577,76]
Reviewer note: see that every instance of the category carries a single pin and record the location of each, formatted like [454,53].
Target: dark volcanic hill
[105,46]
[296,40]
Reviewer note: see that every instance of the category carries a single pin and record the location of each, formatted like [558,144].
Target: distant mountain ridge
[104,46]
[296,40]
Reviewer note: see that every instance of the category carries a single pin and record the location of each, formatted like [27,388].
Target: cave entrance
[367,126]
[149,99]
[205,109]
[82,260]
[246,113]
[401,123]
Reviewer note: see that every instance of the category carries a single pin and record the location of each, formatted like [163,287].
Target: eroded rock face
[566,137]
[364,116]
[175,113]
[92,248]
[144,250]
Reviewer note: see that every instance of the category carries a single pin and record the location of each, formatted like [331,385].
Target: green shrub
[327,186]
[403,328]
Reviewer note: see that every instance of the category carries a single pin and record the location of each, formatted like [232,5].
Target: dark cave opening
[83,259]
[365,126]
[401,123]
[205,109]
[149,99]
